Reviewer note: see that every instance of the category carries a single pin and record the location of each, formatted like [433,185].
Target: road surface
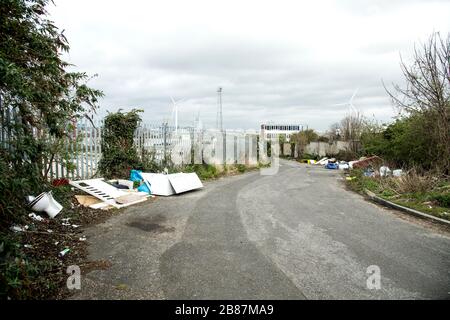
[294,235]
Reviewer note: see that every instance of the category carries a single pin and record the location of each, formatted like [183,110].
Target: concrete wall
[323,148]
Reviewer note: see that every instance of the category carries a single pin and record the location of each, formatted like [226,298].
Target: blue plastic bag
[144,188]
[135,175]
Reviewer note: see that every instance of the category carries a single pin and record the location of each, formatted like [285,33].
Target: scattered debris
[28,246]
[369,172]
[19,228]
[366,162]
[129,198]
[385,171]
[332,166]
[60,182]
[87,201]
[121,286]
[101,205]
[323,161]
[105,192]
[35,217]
[66,224]
[64,252]
[122,184]
[82,238]
[351,163]
[398,173]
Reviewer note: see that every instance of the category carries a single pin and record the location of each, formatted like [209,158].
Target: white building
[276,130]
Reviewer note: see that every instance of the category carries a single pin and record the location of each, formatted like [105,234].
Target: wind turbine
[350,103]
[175,110]
[352,109]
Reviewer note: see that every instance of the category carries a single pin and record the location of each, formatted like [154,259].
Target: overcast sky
[277,61]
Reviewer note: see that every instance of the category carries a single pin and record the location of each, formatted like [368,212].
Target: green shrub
[119,154]
[387,193]
[405,143]
[443,200]
[204,171]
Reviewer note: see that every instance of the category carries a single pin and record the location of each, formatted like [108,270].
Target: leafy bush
[405,143]
[119,154]
[148,162]
[442,199]
[420,137]
[37,95]
[39,102]
[204,171]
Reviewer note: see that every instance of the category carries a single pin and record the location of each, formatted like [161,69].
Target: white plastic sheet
[159,183]
[169,184]
[182,182]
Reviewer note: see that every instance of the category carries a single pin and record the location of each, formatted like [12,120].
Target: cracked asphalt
[294,235]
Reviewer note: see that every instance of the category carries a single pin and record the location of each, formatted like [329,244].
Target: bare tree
[334,133]
[351,126]
[427,93]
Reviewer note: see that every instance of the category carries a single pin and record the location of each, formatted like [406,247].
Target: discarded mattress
[169,184]
[107,193]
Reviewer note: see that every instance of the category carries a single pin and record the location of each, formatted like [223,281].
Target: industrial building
[275,130]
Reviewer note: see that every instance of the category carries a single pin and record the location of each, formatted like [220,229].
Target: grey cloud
[286,71]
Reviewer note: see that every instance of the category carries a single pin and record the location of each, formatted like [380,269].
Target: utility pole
[165,125]
[219,120]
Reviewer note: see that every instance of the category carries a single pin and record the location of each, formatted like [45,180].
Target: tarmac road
[294,235]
